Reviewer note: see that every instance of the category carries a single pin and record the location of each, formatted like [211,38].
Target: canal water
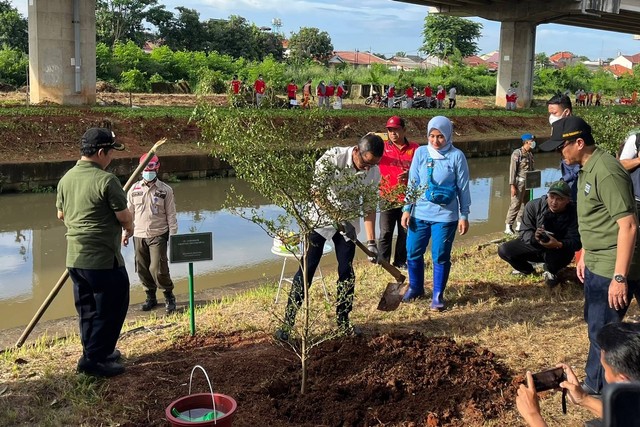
[32,242]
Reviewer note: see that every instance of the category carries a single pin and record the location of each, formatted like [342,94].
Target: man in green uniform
[93,206]
[608,228]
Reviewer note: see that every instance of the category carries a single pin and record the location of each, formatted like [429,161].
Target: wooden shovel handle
[400,278]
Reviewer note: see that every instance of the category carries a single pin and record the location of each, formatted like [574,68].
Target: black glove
[373,248]
[348,230]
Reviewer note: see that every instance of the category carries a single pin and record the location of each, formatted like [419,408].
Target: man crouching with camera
[548,234]
[620,358]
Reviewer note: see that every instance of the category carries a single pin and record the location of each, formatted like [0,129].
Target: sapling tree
[278,158]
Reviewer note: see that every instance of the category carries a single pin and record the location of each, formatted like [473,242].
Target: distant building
[356,58]
[626,61]
[562,59]
[407,63]
[618,70]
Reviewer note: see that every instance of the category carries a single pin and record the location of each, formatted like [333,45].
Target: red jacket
[292,88]
[259,86]
[330,90]
[409,92]
[441,94]
[428,92]
[392,92]
[394,161]
[235,85]
[340,92]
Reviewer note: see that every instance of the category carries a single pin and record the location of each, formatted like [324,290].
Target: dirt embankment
[54,136]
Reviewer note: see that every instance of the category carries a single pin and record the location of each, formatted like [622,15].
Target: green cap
[560,188]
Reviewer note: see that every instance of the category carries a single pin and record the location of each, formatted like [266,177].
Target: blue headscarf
[442,124]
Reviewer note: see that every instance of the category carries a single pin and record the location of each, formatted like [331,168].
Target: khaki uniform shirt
[521,163]
[153,208]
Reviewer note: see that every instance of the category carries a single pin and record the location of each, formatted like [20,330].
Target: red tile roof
[559,56]
[618,70]
[359,58]
[474,61]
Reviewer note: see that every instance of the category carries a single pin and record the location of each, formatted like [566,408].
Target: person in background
[292,90]
[559,106]
[512,98]
[452,97]
[428,94]
[438,211]
[549,234]
[153,208]
[608,226]
[330,91]
[440,94]
[394,170]
[359,161]
[321,92]
[598,98]
[306,94]
[341,92]
[410,95]
[619,344]
[259,87]
[521,163]
[93,206]
[235,85]
[630,160]
[391,95]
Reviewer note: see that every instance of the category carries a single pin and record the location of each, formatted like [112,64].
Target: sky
[387,27]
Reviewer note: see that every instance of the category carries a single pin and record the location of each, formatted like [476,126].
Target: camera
[544,236]
[549,379]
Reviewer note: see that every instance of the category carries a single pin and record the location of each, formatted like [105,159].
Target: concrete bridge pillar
[62,51]
[517,56]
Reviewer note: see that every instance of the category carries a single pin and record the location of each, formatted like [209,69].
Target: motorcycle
[374,97]
[421,102]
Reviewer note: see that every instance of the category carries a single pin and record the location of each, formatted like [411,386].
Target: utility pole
[277,23]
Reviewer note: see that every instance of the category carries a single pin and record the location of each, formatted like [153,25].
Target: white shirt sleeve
[629,150]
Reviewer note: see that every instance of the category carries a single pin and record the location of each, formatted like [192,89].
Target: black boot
[151,301]
[170,302]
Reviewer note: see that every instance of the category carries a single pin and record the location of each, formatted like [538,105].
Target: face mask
[553,119]
[533,145]
[148,175]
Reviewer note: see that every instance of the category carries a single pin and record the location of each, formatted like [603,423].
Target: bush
[13,67]
[133,81]
[209,81]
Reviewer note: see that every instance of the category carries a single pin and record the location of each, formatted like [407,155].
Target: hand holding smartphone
[549,379]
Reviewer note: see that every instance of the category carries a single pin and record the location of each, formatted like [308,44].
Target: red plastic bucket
[224,403]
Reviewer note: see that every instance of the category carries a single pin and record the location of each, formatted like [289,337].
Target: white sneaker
[508,230]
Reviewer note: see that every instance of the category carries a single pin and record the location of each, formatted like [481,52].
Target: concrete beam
[52,52]
[517,55]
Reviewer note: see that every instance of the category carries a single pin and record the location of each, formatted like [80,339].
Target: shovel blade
[392,296]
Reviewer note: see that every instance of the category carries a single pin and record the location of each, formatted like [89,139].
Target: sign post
[190,248]
[532,179]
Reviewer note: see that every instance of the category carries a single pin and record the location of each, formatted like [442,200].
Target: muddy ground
[402,379]
[55,135]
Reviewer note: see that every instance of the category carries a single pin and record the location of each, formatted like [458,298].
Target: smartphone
[544,236]
[549,379]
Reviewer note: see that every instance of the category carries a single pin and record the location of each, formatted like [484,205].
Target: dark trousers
[389,220]
[102,300]
[597,313]
[519,254]
[152,264]
[345,251]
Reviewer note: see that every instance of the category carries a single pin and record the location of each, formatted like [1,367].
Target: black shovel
[393,293]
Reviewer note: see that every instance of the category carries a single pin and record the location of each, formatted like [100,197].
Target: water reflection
[32,243]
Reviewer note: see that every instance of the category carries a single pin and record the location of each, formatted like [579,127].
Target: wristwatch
[619,278]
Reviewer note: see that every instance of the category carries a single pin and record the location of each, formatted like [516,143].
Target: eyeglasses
[564,144]
[368,163]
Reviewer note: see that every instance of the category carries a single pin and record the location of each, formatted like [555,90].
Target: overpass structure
[519,19]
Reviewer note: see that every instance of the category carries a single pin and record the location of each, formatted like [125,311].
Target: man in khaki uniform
[152,205]
[521,163]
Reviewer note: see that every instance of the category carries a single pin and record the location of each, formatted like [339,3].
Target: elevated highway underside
[519,19]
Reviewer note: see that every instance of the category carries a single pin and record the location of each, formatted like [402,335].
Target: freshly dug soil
[55,135]
[400,379]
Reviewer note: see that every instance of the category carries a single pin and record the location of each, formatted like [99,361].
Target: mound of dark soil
[391,380]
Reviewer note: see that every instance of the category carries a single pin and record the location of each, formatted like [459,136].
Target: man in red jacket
[409,94]
[292,88]
[260,87]
[394,171]
[428,94]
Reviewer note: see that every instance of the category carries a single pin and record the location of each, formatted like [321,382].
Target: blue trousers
[102,300]
[441,234]
[597,313]
[345,252]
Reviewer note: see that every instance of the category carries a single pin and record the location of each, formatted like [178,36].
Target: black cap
[100,138]
[568,128]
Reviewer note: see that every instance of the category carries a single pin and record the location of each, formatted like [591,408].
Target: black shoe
[99,369]
[347,328]
[170,305]
[114,357]
[149,304]
[281,335]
